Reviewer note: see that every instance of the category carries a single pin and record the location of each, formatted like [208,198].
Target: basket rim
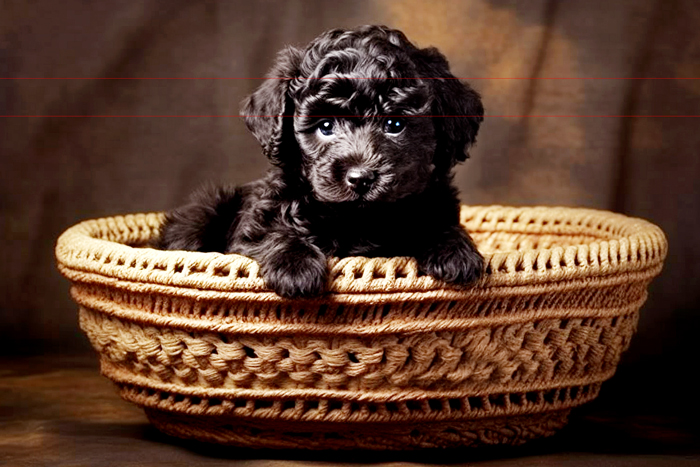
[100,250]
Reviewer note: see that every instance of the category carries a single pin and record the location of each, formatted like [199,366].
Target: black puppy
[363,130]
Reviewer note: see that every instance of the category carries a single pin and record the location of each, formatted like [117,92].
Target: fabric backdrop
[58,171]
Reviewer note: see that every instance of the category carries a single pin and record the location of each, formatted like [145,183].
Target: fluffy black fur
[364,167]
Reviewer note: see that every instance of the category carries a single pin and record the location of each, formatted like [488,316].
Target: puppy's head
[374,117]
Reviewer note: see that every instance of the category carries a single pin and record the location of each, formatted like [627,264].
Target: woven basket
[391,358]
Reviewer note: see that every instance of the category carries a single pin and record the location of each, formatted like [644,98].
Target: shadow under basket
[389,358]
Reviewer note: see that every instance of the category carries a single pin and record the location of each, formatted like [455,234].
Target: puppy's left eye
[325,127]
[394,125]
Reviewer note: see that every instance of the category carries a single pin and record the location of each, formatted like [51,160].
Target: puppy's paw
[455,260]
[296,272]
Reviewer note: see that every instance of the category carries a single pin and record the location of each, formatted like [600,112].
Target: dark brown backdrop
[58,171]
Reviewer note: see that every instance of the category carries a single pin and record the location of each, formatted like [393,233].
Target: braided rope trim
[478,358]
[330,406]
[606,297]
[307,406]
[521,246]
[261,434]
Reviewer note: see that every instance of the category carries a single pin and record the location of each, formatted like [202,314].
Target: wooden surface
[61,412]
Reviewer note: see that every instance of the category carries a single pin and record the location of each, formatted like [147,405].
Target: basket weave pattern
[390,358]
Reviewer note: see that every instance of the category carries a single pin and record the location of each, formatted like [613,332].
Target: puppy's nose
[360,180]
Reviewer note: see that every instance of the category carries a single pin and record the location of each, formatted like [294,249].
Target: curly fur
[343,182]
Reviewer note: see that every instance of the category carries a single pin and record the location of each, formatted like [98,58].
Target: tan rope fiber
[197,339]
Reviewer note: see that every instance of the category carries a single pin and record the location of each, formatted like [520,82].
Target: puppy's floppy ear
[264,109]
[458,102]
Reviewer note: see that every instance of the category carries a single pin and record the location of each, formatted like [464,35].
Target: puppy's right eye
[394,125]
[325,127]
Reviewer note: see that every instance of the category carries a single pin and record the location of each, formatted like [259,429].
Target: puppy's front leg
[452,257]
[293,267]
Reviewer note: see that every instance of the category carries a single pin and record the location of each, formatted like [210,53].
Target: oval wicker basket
[390,358]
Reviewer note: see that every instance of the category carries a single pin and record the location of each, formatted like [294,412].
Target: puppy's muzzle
[360,180]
